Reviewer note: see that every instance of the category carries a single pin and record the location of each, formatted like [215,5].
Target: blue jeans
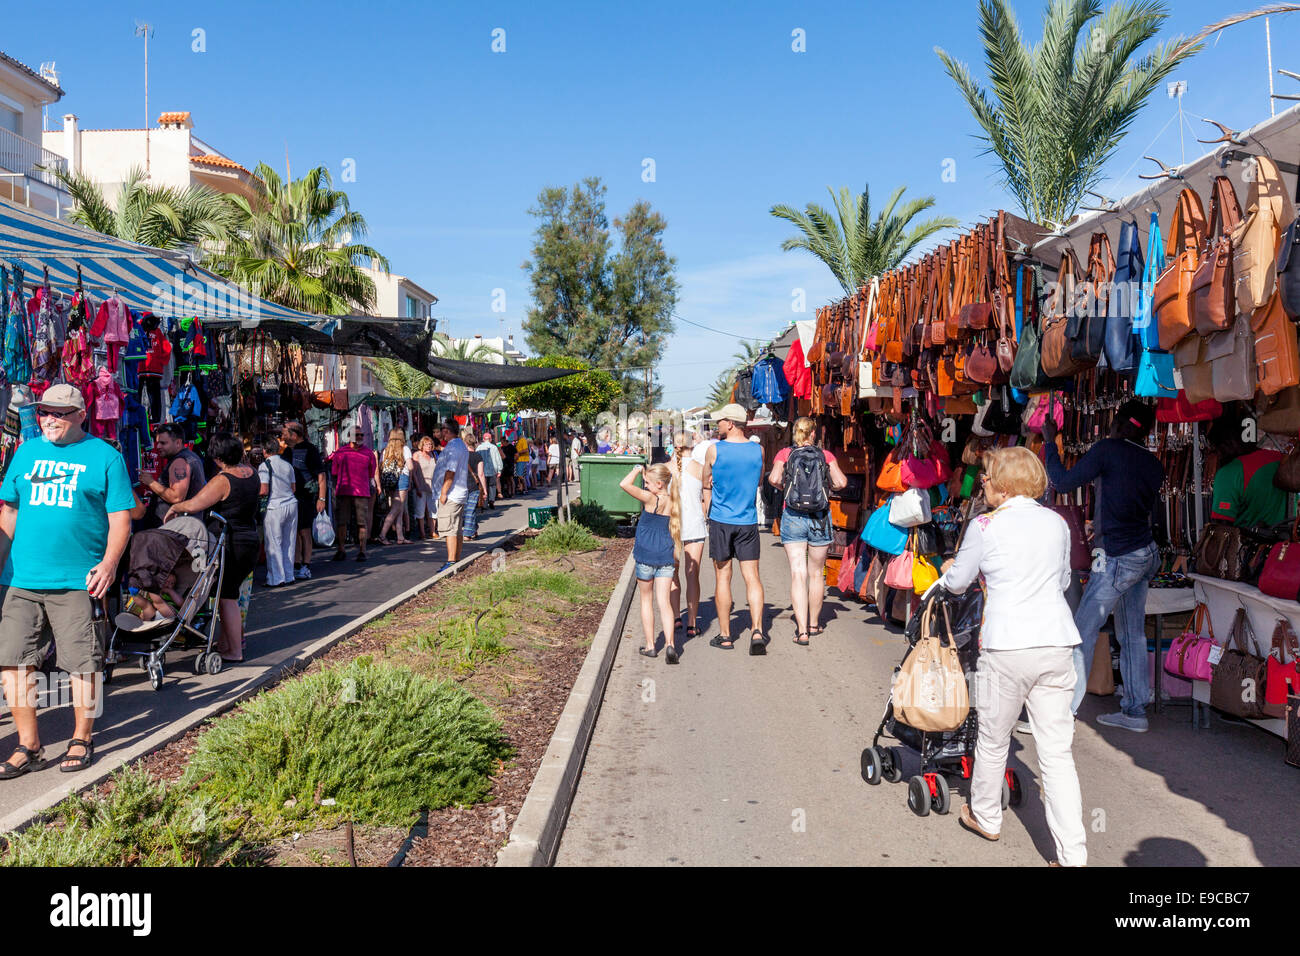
[470,527]
[1118,585]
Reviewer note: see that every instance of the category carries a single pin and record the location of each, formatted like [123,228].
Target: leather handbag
[1027,373]
[982,364]
[1288,274]
[1039,407]
[1213,289]
[1219,552]
[977,314]
[1287,475]
[1282,678]
[924,574]
[1237,686]
[891,472]
[1122,345]
[929,690]
[1080,550]
[844,514]
[1188,656]
[1231,355]
[1280,577]
[1179,409]
[1004,413]
[1194,369]
[1280,414]
[898,574]
[1056,346]
[1088,318]
[1255,240]
[1182,256]
[1277,356]
[1155,377]
[1101,673]
[909,509]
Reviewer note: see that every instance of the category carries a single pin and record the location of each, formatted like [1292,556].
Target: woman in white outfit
[280,526]
[426,499]
[695,528]
[1026,646]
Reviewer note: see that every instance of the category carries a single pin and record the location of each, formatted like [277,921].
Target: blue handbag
[1121,343]
[883,536]
[1155,377]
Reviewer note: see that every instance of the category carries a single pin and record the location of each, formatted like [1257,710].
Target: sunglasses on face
[65,415]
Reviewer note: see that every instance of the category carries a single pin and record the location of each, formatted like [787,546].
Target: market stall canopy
[1278,137]
[166,283]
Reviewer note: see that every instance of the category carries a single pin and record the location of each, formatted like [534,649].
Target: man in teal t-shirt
[67,504]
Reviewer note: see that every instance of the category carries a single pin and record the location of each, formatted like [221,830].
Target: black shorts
[306,511]
[241,559]
[727,541]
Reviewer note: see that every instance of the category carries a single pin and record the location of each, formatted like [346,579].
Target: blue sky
[452,142]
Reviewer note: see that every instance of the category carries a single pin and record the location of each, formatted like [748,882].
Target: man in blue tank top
[733,469]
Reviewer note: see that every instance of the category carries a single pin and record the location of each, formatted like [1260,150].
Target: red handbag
[1282,678]
[1179,409]
[1080,555]
[1281,575]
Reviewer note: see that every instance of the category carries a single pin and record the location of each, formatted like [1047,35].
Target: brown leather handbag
[1280,414]
[981,362]
[1237,686]
[1287,476]
[959,267]
[1277,355]
[1055,347]
[1195,369]
[1172,297]
[978,313]
[1213,289]
[1231,354]
[1255,241]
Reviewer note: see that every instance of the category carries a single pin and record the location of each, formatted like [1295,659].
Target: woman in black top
[231,493]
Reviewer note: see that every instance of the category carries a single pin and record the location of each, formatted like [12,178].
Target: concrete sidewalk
[281,623]
[737,760]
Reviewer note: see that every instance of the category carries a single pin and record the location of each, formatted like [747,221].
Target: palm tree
[720,393]
[296,245]
[164,217]
[400,380]
[1057,111]
[856,247]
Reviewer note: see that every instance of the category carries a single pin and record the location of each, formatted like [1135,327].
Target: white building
[24,94]
[170,153]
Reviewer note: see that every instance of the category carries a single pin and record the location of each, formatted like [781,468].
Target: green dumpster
[599,476]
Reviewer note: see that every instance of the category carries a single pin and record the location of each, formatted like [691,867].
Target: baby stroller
[945,754]
[195,622]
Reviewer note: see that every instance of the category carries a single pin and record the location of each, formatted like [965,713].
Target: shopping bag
[322,531]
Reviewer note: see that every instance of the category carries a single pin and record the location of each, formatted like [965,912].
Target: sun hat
[63,396]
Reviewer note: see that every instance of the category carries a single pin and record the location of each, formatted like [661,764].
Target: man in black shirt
[1128,487]
[309,479]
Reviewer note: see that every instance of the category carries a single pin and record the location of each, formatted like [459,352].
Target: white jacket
[1023,551]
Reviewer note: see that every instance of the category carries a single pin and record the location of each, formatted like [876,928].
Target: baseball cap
[731,412]
[62,396]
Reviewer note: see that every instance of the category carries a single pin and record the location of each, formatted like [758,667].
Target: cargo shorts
[28,619]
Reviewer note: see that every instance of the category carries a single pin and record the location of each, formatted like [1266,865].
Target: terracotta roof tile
[164,118]
[221,161]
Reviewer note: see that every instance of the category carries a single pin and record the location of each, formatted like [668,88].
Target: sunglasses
[51,413]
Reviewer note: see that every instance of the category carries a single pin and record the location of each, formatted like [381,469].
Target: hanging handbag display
[1213,288]
[1088,319]
[1237,686]
[1155,377]
[1231,355]
[898,574]
[1280,576]
[1122,344]
[1182,256]
[1280,414]
[1004,414]
[1057,347]
[883,536]
[1277,356]
[1179,409]
[1255,241]
[909,509]
[1195,371]
[1283,676]
[929,689]
[1038,408]
[1188,656]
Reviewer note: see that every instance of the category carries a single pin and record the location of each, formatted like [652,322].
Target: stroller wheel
[156,676]
[214,663]
[871,765]
[1012,794]
[893,764]
[942,797]
[200,663]
[918,796]
[144,662]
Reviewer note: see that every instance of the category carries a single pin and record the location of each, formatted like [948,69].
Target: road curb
[102,769]
[535,837]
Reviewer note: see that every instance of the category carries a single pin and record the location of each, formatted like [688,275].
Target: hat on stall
[730,412]
[63,396]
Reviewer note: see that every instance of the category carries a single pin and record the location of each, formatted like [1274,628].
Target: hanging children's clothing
[17,359]
[112,327]
[108,406]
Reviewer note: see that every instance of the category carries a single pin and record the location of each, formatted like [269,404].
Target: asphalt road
[281,622]
[729,759]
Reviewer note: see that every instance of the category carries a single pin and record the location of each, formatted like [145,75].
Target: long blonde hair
[664,475]
[393,451]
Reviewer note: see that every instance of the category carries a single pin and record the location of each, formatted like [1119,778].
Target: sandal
[82,762]
[691,631]
[723,641]
[804,635]
[35,761]
[757,644]
[814,630]
[647,651]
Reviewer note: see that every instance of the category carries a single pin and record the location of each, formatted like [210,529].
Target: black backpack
[805,480]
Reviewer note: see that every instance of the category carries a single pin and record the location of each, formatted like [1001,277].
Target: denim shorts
[404,482]
[813,529]
[644,572]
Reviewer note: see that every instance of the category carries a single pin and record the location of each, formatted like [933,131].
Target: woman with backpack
[395,480]
[806,474]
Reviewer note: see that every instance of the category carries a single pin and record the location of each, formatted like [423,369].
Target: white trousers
[1041,679]
[281,529]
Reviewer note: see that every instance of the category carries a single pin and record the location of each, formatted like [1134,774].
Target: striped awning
[147,279]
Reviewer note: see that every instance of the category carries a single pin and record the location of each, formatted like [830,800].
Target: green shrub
[595,519]
[557,538]
[380,741]
[139,822]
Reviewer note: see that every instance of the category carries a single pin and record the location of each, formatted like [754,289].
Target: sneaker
[1136,724]
[1022,727]
[443,568]
[303,573]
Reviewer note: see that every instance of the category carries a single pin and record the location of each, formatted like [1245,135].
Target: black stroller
[949,753]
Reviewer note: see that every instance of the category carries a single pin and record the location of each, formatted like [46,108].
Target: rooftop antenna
[145,30]
[1268,42]
[51,76]
[1176,89]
